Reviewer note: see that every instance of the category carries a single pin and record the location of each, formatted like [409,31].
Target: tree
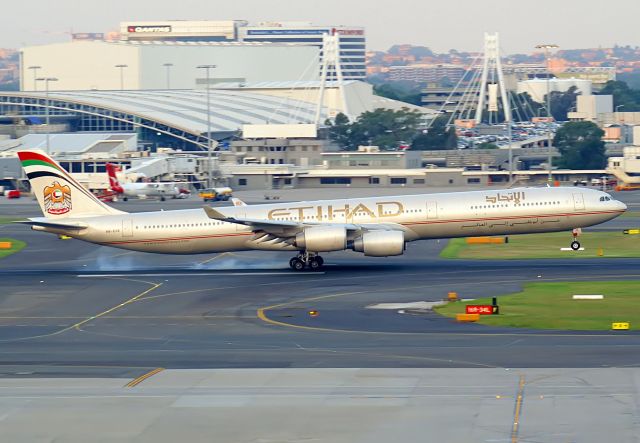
[408,92]
[439,136]
[382,127]
[623,95]
[562,102]
[339,129]
[580,145]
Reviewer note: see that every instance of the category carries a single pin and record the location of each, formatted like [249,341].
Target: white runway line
[198,274]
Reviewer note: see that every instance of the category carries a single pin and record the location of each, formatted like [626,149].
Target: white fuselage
[144,190]
[427,216]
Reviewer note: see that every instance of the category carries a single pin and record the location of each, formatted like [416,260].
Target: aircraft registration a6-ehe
[376,226]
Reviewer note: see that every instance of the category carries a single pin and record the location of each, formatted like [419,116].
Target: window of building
[281,161]
[287,181]
[249,148]
[398,181]
[450,181]
[304,148]
[374,180]
[335,180]
[418,181]
[242,182]
[473,180]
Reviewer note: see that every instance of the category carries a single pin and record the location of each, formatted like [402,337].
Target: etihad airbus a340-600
[376,226]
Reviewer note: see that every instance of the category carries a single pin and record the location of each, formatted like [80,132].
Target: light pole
[207,69]
[35,75]
[46,81]
[121,67]
[168,67]
[546,48]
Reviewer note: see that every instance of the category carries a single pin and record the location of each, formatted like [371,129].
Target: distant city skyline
[570,24]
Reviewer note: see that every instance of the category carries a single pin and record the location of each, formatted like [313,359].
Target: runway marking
[116,307]
[136,381]
[339,279]
[94,317]
[517,411]
[213,258]
[199,274]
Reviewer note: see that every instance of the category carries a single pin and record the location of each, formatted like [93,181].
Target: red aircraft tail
[114,184]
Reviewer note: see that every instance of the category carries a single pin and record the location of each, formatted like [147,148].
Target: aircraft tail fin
[114,184]
[58,193]
[237,202]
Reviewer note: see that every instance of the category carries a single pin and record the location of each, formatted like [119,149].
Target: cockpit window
[605,199]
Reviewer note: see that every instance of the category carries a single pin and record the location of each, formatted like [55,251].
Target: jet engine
[322,239]
[380,243]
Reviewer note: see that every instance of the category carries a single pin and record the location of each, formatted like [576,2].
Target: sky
[441,25]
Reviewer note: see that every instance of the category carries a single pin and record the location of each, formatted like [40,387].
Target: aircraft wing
[283,228]
[48,223]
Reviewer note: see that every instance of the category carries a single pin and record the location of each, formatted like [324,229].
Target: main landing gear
[575,244]
[306,260]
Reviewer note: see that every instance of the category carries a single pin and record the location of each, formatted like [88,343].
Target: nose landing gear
[306,260]
[575,244]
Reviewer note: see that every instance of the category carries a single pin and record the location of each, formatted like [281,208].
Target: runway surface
[71,308]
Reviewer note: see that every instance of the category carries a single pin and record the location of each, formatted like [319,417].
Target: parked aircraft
[161,190]
[375,226]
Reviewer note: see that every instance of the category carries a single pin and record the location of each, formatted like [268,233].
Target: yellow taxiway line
[517,411]
[136,381]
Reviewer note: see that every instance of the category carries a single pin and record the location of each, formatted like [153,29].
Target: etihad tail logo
[57,199]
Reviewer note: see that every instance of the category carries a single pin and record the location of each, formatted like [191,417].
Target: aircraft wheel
[575,245]
[163,198]
[315,263]
[125,199]
[296,264]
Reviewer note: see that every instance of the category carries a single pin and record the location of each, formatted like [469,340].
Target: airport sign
[481,309]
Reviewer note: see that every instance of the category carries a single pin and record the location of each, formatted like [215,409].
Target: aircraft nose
[621,205]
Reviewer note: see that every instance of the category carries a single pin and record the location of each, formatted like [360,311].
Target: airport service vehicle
[161,190]
[376,226]
[628,187]
[216,194]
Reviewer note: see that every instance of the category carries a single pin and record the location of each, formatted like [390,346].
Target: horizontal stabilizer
[45,223]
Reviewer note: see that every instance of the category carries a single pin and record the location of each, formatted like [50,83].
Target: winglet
[214,214]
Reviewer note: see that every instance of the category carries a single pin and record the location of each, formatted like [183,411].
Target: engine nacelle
[380,243]
[322,239]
